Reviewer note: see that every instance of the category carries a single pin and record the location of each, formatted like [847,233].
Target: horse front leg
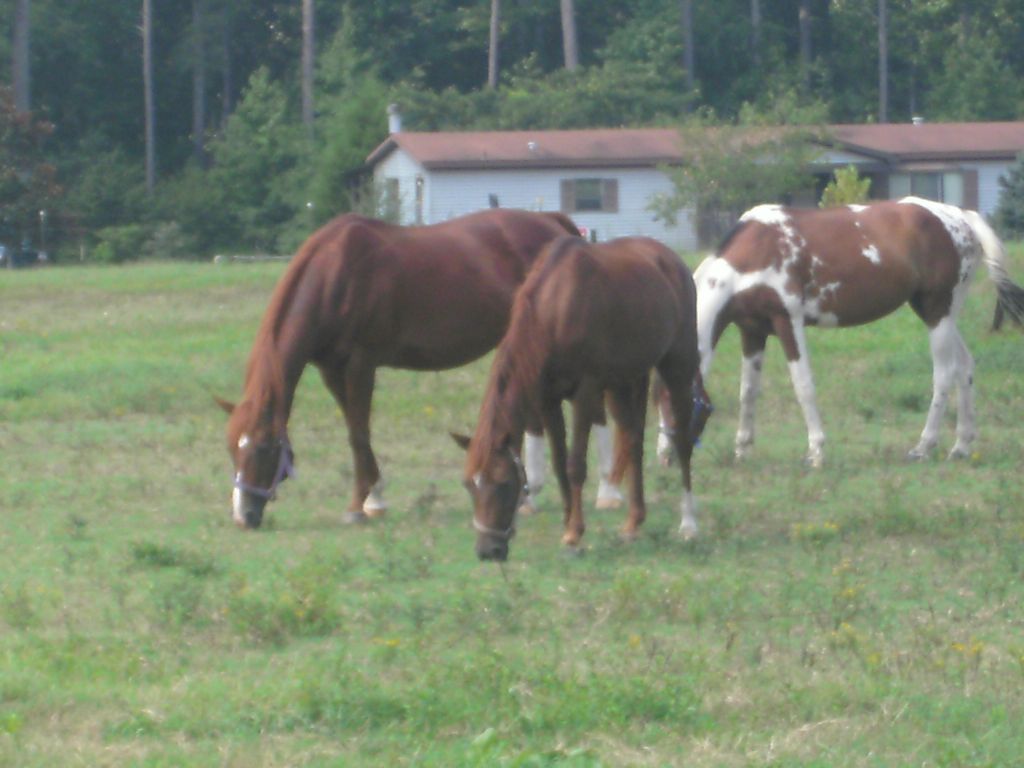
[352,385]
[554,425]
[790,331]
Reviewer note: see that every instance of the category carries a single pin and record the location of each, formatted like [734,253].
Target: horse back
[611,306]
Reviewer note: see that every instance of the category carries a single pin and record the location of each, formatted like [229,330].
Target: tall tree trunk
[492,48]
[569,43]
[199,81]
[755,32]
[308,32]
[689,54]
[147,83]
[805,43]
[227,96]
[19,65]
[883,62]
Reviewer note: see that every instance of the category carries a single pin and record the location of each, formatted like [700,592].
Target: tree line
[188,127]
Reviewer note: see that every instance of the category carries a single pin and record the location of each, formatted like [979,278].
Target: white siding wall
[399,165]
[988,185]
[453,193]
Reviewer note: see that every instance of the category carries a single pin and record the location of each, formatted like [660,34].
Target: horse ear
[226,406]
[461,440]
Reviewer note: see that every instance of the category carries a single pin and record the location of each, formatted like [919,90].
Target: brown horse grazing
[361,294]
[782,269]
[589,319]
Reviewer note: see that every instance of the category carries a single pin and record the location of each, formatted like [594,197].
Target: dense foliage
[254,177]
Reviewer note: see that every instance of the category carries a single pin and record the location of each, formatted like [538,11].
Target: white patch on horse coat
[871,254]
[236,502]
[857,209]
[243,442]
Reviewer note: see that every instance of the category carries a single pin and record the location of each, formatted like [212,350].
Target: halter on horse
[782,269]
[589,320]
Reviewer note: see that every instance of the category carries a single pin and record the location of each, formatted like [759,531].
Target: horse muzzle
[491,548]
[247,508]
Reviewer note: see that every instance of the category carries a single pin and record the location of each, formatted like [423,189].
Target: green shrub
[846,188]
[120,244]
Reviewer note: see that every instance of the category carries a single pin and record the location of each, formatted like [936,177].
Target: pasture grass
[867,614]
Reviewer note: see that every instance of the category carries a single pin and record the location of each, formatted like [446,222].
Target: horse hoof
[917,454]
[814,462]
[959,454]
[572,551]
[526,509]
[355,517]
[374,506]
[628,537]
[688,532]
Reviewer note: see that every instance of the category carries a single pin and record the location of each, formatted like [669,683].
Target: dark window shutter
[610,195]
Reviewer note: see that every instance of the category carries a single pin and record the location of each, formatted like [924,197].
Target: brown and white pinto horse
[589,319]
[782,269]
[361,294]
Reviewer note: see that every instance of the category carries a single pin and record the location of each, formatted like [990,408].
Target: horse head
[262,457]
[497,489]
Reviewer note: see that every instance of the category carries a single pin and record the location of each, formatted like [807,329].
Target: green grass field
[867,614]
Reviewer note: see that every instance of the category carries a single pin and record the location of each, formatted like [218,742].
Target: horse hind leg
[790,331]
[629,407]
[678,383]
[951,365]
[966,429]
[750,389]
[535,464]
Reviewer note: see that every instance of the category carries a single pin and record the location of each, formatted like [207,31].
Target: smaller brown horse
[361,294]
[588,320]
[782,269]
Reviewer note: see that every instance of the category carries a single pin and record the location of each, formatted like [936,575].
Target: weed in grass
[148,554]
[16,608]
[302,604]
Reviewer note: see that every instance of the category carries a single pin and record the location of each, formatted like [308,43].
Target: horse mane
[265,374]
[734,230]
[518,365]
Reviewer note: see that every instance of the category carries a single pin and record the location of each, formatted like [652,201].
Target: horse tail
[1010,296]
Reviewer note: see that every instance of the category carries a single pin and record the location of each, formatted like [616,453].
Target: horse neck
[275,367]
[508,405]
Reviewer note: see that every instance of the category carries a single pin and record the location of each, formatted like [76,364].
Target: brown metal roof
[615,147]
[934,141]
[645,147]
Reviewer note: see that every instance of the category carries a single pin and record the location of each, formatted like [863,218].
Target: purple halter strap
[285,469]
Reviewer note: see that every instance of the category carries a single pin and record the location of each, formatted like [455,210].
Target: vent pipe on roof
[394,119]
[917,120]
